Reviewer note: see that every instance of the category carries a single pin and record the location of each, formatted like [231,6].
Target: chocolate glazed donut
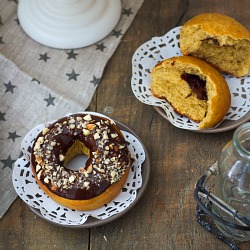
[105,171]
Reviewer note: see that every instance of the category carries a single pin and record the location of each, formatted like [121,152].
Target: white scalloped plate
[28,190]
[160,48]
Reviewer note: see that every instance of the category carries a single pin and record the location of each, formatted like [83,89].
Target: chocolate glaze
[107,165]
[197,85]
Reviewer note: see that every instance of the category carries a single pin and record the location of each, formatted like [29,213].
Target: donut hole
[76,156]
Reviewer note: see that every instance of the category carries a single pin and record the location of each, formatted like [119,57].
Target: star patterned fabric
[8,162]
[72,54]
[9,87]
[40,84]
[50,100]
[13,136]
[44,57]
[72,75]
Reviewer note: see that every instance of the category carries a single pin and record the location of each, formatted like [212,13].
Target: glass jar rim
[238,137]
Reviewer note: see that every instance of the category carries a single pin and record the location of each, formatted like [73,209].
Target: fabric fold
[38,83]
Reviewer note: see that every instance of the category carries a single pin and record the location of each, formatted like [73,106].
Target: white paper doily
[161,48]
[29,191]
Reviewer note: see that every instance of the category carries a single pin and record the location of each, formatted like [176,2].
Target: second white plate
[161,48]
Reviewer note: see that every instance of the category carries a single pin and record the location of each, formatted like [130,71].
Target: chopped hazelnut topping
[107,161]
[72,126]
[61,157]
[45,131]
[84,125]
[40,140]
[82,170]
[90,126]
[86,183]
[114,135]
[38,167]
[87,118]
[89,169]
[113,174]
[48,167]
[37,146]
[46,179]
[39,159]
[54,187]
[105,135]
[96,136]
[86,132]
[72,120]
[39,175]
[71,178]
[59,183]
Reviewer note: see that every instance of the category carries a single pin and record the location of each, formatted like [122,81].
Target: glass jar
[232,181]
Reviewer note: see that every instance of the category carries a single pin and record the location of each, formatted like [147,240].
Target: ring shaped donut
[104,173]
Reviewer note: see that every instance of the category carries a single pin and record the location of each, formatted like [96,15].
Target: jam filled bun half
[193,88]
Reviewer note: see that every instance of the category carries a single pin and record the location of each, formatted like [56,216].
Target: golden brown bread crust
[170,70]
[219,40]
[90,204]
[219,24]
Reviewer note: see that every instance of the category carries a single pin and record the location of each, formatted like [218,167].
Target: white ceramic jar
[68,24]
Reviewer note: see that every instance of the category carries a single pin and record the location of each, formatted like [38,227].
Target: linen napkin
[38,83]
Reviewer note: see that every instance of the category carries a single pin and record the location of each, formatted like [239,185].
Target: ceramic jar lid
[68,24]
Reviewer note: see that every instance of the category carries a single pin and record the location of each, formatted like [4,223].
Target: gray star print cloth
[39,84]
